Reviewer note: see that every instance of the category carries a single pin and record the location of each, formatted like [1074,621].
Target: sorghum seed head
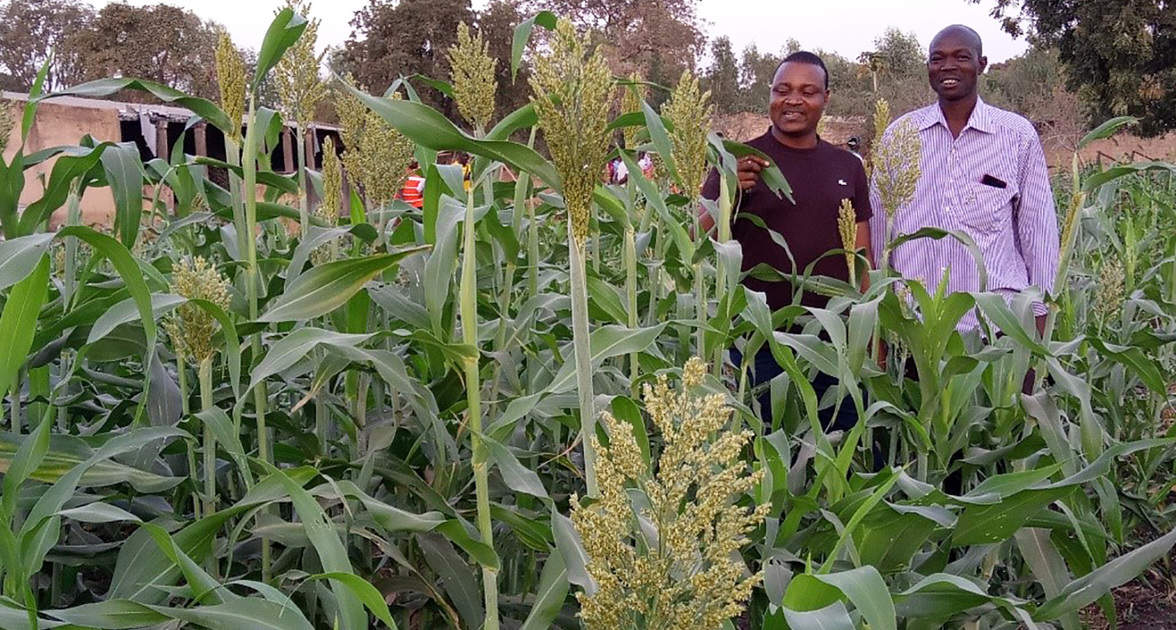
[1111,283]
[689,110]
[691,577]
[296,76]
[191,327]
[474,84]
[571,97]
[230,78]
[895,165]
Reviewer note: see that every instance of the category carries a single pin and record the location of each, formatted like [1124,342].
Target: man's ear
[983,64]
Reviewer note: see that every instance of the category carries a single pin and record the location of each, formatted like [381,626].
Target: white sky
[844,26]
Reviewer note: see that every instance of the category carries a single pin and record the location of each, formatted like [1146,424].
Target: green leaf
[457,577]
[550,596]
[1090,587]
[571,549]
[517,477]
[522,34]
[331,552]
[1047,565]
[327,287]
[296,345]
[867,590]
[771,176]
[236,614]
[114,613]
[283,32]
[431,129]
[833,617]
[66,452]
[607,342]
[1107,129]
[18,322]
[103,88]
[661,141]
[127,311]
[124,174]
[365,592]
[20,256]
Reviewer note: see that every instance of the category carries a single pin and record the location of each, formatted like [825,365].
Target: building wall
[58,125]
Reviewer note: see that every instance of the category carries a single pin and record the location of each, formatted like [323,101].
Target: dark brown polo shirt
[820,178]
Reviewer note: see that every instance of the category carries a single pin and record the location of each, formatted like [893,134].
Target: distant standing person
[821,176]
[984,174]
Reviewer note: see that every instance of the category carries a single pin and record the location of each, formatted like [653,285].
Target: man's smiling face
[955,64]
[798,99]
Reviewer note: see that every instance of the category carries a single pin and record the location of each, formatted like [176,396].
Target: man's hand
[749,167]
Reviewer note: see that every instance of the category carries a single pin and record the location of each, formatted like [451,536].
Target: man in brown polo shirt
[821,176]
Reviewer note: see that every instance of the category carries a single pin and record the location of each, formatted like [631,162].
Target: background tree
[389,41]
[655,39]
[29,30]
[161,43]
[722,78]
[1119,54]
[496,23]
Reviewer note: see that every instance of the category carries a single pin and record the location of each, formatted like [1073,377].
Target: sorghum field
[515,407]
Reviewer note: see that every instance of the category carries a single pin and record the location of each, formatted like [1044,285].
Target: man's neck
[957,113]
[806,141]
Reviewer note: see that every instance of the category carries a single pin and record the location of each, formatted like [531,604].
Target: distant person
[854,146]
[821,176]
[984,174]
[413,190]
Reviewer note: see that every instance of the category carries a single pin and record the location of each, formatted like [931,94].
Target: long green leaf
[18,322]
[327,287]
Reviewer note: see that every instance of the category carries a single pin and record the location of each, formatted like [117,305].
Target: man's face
[798,98]
[954,66]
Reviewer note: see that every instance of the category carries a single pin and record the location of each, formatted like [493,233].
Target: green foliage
[374,429]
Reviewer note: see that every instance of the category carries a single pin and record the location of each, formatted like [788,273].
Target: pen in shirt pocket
[989,180]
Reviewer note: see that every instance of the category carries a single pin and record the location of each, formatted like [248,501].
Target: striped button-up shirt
[1015,226]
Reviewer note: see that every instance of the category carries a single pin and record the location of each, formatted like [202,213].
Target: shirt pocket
[987,209]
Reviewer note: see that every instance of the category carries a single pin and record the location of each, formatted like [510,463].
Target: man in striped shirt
[984,174]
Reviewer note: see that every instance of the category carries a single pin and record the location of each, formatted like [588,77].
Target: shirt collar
[980,120]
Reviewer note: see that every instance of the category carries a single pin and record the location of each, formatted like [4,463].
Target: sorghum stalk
[252,286]
[469,333]
[689,110]
[204,374]
[299,90]
[571,100]
[474,86]
[630,255]
[724,225]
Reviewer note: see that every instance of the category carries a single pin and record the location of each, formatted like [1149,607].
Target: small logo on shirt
[842,182]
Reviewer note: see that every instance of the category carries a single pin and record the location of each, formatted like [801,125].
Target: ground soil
[1140,607]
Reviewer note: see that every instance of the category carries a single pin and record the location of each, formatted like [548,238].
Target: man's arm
[1037,224]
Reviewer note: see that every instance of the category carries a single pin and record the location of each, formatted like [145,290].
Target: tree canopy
[1118,54]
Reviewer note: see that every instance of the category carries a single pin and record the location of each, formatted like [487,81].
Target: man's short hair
[804,56]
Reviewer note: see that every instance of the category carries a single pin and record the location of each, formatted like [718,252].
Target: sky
[847,27]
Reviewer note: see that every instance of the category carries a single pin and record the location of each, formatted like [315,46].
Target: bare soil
[1139,608]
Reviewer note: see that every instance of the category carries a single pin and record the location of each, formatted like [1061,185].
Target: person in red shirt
[413,191]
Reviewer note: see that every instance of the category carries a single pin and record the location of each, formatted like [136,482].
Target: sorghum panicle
[230,78]
[376,156]
[895,164]
[847,229]
[685,577]
[1111,289]
[191,327]
[474,84]
[296,77]
[571,97]
[689,110]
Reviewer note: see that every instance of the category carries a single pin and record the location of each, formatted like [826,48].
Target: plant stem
[580,342]
[630,255]
[204,373]
[469,333]
[252,286]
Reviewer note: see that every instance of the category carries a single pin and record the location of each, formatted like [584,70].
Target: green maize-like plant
[571,98]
